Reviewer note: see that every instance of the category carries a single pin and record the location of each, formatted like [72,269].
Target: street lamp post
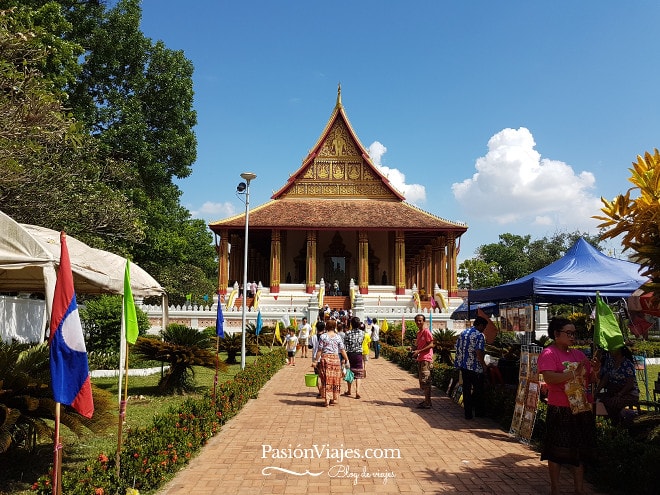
[247,176]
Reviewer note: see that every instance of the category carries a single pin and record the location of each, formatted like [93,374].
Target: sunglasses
[568,334]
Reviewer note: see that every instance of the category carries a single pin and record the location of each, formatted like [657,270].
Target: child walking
[291,342]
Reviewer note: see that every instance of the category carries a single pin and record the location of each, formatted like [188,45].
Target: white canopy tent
[30,254]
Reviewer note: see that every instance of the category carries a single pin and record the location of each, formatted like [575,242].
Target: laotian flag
[69,369]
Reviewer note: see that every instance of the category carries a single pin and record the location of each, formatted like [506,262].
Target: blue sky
[510,116]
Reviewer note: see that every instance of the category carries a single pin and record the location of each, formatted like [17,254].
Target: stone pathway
[286,442]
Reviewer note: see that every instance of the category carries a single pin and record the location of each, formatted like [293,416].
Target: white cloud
[514,184]
[414,193]
[211,211]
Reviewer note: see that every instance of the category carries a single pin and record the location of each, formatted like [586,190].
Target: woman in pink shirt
[570,438]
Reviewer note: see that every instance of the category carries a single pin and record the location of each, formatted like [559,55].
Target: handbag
[310,346]
[349,376]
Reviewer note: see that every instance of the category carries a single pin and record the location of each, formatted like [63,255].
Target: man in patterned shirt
[470,360]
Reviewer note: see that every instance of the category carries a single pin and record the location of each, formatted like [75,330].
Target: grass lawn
[143,405]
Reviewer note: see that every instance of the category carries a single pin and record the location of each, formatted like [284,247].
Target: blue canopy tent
[461,313]
[576,277]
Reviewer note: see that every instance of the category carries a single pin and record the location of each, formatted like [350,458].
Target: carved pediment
[338,167]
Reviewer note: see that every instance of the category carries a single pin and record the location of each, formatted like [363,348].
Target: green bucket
[311,379]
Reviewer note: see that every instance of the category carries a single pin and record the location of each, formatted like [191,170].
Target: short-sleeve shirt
[353,340]
[330,345]
[365,344]
[424,338]
[469,342]
[554,359]
[291,342]
[304,331]
[375,332]
[619,376]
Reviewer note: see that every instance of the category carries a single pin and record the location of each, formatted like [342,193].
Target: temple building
[339,219]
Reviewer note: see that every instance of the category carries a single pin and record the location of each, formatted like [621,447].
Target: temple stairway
[337,302]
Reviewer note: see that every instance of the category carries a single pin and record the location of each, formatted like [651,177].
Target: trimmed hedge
[150,456]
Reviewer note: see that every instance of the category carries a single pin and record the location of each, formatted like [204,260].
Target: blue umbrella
[461,313]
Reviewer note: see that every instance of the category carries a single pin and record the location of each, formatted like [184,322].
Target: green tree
[101,318]
[477,274]
[130,102]
[49,171]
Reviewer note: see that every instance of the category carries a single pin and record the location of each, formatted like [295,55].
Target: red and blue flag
[69,368]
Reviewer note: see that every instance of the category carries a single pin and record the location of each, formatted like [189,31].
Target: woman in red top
[570,438]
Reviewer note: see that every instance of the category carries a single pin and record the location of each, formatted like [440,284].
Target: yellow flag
[277,332]
[320,296]
[418,303]
[231,299]
[255,302]
[384,327]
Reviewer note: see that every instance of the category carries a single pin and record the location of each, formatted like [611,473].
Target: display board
[527,396]
[517,317]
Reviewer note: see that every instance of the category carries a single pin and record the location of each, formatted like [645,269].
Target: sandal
[347,393]
[358,396]
[332,402]
[326,404]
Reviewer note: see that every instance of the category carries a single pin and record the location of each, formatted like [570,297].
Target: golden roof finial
[338,105]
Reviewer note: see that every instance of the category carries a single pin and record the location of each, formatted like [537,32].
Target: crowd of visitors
[336,344]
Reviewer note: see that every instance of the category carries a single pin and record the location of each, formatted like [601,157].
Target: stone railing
[296,304]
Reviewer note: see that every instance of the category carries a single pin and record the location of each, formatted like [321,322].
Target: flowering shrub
[152,455]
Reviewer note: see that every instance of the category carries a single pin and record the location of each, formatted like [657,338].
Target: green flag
[607,333]
[130,318]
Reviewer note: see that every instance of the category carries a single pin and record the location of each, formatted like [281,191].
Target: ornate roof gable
[338,166]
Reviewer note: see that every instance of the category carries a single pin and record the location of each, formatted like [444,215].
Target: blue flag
[260,323]
[220,321]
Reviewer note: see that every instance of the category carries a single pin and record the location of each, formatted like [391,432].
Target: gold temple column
[363,262]
[223,262]
[451,265]
[275,256]
[428,271]
[400,263]
[311,262]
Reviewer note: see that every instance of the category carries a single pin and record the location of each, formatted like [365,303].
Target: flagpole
[57,454]
[215,378]
[122,414]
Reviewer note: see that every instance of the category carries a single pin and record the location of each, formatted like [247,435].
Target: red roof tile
[321,213]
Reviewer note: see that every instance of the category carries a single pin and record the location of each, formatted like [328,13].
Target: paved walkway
[286,442]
